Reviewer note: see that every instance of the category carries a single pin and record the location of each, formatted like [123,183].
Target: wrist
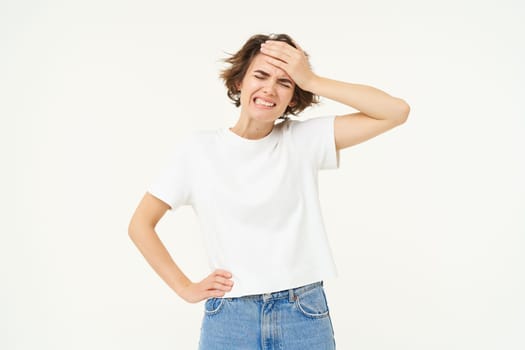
[182,286]
[310,83]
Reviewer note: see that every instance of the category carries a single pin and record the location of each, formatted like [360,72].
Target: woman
[254,189]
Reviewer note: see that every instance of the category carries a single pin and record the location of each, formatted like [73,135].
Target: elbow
[401,112]
[131,229]
[134,229]
[139,228]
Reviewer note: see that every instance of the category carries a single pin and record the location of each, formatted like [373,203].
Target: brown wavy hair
[239,63]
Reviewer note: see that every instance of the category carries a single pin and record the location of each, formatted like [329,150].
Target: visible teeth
[264,103]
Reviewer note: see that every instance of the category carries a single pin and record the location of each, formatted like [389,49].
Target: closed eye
[260,74]
[285,82]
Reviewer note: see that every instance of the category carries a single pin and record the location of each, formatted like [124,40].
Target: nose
[269,87]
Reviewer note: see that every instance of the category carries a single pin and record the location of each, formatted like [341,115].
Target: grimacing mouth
[263,102]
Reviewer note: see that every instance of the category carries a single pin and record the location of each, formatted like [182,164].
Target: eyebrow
[265,74]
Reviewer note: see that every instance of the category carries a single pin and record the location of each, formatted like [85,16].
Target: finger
[281,44]
[226,282]
[283,47]
[275,53]
[214,283]
[276,62]
[219,286]
[213,279]
[210,286]
[223,273]
[297,46]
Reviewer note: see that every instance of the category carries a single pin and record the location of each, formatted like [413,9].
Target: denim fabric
[287,320]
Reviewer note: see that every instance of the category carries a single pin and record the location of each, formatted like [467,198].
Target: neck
[252,129]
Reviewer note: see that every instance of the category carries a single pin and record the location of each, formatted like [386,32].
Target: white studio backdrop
[426,221]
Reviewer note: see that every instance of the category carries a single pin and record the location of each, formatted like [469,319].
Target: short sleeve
[173,184]
[315,140]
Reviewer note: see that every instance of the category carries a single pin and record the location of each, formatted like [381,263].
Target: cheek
[289,95]
[248,87]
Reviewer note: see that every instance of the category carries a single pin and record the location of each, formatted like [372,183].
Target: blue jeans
[287,320]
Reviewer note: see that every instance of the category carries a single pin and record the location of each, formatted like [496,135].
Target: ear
[292,104]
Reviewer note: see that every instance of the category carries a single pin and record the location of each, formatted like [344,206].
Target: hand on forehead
[293,60]
[261,61]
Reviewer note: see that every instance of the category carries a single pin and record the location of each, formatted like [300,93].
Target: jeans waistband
[287,293]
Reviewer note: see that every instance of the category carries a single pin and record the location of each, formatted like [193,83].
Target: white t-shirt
[257,201]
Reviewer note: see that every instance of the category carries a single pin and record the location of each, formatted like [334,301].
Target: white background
[426,221]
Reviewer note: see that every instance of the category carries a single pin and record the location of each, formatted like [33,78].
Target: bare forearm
[366,99]
[142,232]
[156,254]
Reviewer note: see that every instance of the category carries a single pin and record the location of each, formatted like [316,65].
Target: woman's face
[266,91]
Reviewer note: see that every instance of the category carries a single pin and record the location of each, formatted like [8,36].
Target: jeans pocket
[212,306]
[312,303]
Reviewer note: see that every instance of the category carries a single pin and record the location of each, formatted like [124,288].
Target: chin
[267,116]
[264,117]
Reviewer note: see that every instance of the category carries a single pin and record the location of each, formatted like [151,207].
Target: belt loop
[291,296]
[266,296]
